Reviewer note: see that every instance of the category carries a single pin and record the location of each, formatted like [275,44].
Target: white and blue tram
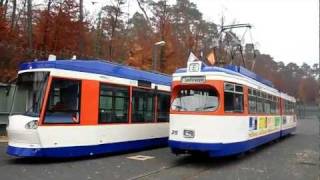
[226,111]
[72,108]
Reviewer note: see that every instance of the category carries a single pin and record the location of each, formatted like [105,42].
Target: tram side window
[63,102]
[277,105]
[289,107]
[252,101]
[233,97]
[266,102]
[260,108]
[113,104]
[142,105]
[273,105]
[163,107]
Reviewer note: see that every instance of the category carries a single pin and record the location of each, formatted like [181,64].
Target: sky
[288,30]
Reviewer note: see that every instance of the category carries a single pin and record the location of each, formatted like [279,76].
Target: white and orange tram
[226,111]
[72,108]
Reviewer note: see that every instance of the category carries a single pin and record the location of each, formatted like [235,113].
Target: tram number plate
[188,133]
[193,79]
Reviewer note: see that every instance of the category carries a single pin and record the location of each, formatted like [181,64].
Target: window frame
[47,99]
[113,87]
[153,91]
[234,93]
[175,93]
[157,107]
[252,94]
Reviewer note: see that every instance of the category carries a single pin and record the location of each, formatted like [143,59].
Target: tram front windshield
[29,93]
[195,100]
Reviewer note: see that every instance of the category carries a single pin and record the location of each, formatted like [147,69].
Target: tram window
[277,105]
[252,104]
[196,100]
[63,103]
[273,107]
[233,98]
[259,105]
[266,106]
[142,105]
[113,104]
[254,92]
[163,107]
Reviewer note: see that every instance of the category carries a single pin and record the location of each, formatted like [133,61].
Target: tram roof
[100,67]
[233,70]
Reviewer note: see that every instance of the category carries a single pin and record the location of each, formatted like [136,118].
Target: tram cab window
[142,105]
[233,97]
[113,104]
[163,106]
[63,102]
[196,100]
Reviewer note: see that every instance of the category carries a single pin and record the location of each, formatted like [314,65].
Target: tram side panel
[88,137]
[222,133]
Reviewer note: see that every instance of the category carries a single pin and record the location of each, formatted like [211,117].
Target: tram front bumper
[192,146]
[24,152]
[212,149]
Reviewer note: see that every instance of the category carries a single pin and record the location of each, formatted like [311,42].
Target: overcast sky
[288,30]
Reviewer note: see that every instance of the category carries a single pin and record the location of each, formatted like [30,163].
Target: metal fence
[307,110]
[6,97]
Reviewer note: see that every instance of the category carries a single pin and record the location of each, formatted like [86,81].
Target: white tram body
[80,108]
[226,111]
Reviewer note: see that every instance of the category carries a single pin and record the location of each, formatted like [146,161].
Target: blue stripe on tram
[77,151]
[221,149]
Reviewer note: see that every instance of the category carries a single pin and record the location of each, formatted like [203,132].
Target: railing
[6,96]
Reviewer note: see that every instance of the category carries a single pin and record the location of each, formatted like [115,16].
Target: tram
[73,108]
[222,111]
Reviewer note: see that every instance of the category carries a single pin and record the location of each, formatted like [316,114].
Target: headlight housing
[32,125]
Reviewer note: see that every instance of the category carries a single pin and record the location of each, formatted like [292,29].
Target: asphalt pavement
[295,157]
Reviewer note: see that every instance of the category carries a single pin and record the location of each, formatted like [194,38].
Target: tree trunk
[29,23]
[81,43]
[144,11]
[45,34]
[20,11]
[114,25]
[5,8]
[98,37]
[13,16]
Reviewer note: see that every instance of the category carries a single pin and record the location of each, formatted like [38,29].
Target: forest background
[34,29]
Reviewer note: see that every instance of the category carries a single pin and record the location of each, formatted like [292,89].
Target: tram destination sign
[193,79]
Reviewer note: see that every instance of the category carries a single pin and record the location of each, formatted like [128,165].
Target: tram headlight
[32,125]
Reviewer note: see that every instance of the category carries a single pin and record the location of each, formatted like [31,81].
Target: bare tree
[81,43]
[114,13]
[46,26]
[143,10]
[13,16]
[29,23]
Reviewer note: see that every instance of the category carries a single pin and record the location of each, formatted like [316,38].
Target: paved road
[294,157]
